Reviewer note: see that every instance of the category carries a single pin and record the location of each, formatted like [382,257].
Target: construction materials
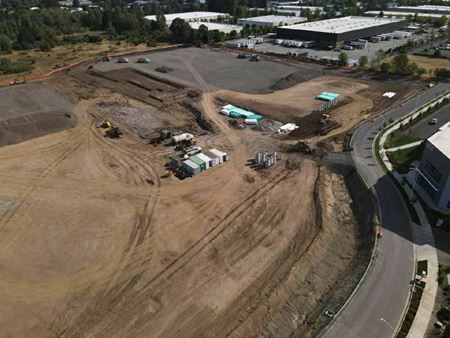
[327,96]
[287,128]
[266,159]
[236,113]
[191,168]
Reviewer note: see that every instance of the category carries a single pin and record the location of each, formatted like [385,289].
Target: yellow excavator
[106,124]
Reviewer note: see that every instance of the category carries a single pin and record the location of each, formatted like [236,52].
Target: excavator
[106,124]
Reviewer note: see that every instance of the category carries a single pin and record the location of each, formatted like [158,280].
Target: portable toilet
[199,162]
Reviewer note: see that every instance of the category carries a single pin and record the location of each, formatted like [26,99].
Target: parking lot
[370,51]
[207,69]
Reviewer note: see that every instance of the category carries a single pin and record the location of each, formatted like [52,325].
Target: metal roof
[342,25]
[441,139]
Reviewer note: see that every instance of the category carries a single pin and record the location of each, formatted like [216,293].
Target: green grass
[400,140]
[422,266]
[402,159]
[412,310]
[443,271]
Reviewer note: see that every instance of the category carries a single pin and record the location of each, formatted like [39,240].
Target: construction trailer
[191,168]
[223,157]
[199,162]
[206,159]
[215,159]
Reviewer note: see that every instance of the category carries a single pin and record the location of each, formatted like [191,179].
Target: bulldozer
[113,132]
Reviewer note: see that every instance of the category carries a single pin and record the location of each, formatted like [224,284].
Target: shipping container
[223,156]
[215,159]
[205,159]
[199,162]
[251,121]
[191,168]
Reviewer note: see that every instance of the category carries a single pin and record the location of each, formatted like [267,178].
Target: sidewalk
[405,146]
[425,250]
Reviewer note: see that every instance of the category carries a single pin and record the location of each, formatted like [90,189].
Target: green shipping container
[234,114]
[199,162]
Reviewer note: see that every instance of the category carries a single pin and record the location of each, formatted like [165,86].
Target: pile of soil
[163,69]
[295,78]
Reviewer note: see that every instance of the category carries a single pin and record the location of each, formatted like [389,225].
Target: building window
[448,205]
[433,172]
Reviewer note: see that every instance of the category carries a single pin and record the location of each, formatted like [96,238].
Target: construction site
[105,231]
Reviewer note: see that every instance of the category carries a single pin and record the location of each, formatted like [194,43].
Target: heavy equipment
[106,124]
[113,132]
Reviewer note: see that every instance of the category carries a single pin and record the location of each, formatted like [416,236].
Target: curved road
[385,289]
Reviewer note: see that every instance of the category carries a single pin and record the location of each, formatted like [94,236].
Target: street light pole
[390,326]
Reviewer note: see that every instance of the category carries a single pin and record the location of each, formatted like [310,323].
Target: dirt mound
[163,69]
[295,78]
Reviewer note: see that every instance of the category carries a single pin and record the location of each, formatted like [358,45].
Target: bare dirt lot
[32,110]
[94,242]
[219,69]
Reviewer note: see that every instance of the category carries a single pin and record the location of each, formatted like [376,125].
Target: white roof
[221,27]
[274,18]
[191,164]
[404,14]
[425,8]
[188,16]
[342,25]
[203,157]
[441,139]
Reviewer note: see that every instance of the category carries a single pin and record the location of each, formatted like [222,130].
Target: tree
[181,31]
[400,64]
[421,71]
[233,34]
[385,68]
[381,14]
[5,43]
[437,53]
[363,61]
[203,34]
[76,3]
[161,22]
[343,59]
[442,73]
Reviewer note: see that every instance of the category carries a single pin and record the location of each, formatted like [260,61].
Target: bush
[443,314]
[9,67]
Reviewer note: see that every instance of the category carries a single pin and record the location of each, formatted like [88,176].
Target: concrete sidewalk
[425,248]
[405,146]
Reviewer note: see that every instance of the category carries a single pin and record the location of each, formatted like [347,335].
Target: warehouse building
[434,168]
[423,9]
[212,26]
[271,21]
[190,16]
[334,32]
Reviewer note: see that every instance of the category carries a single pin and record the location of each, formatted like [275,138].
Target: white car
[192,151]
[122,60]
[143,60]
[433,121]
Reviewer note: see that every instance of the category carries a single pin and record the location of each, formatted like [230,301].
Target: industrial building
[271,21]
[423,9]
[334,32]
[190,16]
[221,27]
[433,174]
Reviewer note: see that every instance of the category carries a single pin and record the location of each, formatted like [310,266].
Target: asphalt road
[385,290]
[425,130]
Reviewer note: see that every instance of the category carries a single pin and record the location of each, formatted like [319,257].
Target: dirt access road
[94,243]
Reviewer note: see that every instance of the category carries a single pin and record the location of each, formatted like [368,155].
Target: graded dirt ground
[94,243]
[218,69]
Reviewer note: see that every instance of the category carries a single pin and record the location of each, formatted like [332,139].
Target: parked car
[192,151]
[122,60]
[143,60]
[329,314]
[242,56]
[433,121]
